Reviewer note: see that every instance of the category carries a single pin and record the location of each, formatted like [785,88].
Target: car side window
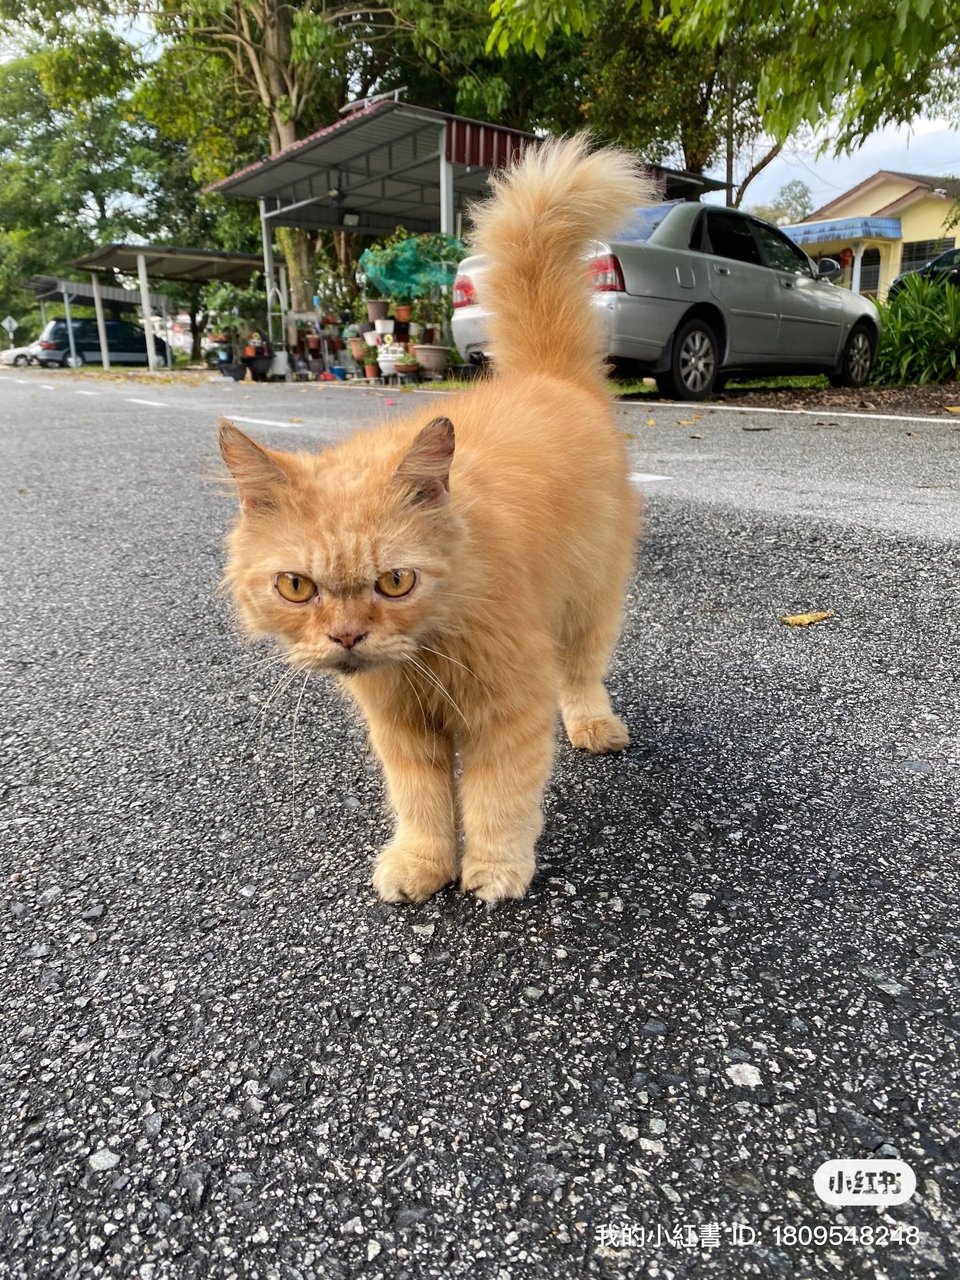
[728,236]
[698,236]
[779,252]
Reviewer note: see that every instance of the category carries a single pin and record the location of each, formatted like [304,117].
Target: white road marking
[156,404]
[699,407]
[644,477]
[86,393]
[47,386]
[268,422]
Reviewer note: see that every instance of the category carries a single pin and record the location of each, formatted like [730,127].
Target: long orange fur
[516,511]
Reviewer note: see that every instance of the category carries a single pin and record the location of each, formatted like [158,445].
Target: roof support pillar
[101,322]
[268,271]
[857,264]
[166,332]
[446,187]
[71,339]
[145,305]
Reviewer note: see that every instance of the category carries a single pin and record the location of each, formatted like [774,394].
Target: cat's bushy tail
[535,232]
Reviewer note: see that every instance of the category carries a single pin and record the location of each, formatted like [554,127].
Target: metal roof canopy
[173,263]
[385,164]
[48,288]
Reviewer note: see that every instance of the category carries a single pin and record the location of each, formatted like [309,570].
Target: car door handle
[788,284]
[722,271]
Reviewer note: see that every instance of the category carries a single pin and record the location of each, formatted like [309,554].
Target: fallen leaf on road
[694,436]
[651,422]
[804,619]
[628,435]
[952,408]
[758,428]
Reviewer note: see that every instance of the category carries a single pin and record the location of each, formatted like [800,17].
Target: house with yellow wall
[888,224]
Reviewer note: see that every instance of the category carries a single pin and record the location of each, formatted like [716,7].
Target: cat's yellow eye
[295,587]
[396,583]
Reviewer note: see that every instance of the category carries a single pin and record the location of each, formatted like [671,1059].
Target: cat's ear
[425,468]
[259,476]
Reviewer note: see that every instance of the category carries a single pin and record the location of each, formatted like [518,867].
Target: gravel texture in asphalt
[224,1057]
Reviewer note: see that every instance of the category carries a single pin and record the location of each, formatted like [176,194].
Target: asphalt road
[223,1057]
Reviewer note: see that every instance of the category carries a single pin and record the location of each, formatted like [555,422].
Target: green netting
[414,267]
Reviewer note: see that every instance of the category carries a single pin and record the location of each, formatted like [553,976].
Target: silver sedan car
[692,293]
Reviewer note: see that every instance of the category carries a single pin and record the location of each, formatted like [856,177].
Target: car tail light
[464,294]
[47,346]
[606,275]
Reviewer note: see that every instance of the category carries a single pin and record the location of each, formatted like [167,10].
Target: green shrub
[920,336]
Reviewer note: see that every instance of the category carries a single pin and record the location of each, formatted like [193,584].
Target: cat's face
[344,565]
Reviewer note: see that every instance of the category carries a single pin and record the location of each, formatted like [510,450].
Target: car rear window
[643,222]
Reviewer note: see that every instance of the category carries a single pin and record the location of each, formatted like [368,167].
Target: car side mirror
[829,269]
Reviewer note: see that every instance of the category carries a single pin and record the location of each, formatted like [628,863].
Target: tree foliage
[856,67]
[677,106]
[792,203]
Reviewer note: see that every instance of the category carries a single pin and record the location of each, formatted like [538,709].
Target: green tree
[856,67]
[70,176]
[693,107]
[792,203]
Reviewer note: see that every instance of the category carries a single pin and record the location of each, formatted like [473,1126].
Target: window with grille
[917,252]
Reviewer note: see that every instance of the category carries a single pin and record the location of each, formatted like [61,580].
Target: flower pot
[376,308]
[372,370]
[356,348]
[401,312]
[433,359]
[384,326]
[414,330]
[313,342]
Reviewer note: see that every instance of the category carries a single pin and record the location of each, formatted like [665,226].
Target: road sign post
[11,327]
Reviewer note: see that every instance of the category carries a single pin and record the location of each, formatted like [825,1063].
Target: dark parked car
[691,293]
[127,343]
[944,268]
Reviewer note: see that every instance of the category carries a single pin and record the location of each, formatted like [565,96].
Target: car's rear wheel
[693,367]
[21,360]
[72,362]
[857,359]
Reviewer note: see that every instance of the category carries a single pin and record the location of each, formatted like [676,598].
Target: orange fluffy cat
[465,575]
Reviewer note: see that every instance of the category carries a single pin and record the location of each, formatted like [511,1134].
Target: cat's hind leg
[588,717]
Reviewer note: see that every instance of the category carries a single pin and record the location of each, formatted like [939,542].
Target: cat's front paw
[599,734]
[404,872]
[492,880]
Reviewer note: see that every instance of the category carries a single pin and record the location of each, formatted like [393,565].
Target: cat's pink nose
[346,639]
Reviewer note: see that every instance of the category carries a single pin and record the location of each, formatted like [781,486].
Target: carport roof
[168,262]
[380,164]
[50,288]
[380,167]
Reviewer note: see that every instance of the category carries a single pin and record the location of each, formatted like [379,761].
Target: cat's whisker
[438,685]
[293,736]
[281,686]
[425,648]
[423,716]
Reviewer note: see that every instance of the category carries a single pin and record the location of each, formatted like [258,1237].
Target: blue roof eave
[844,229]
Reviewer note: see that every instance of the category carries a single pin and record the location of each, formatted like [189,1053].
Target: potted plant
[377,309]
[369,358]
[408,364]
[402,306]
[432,357]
